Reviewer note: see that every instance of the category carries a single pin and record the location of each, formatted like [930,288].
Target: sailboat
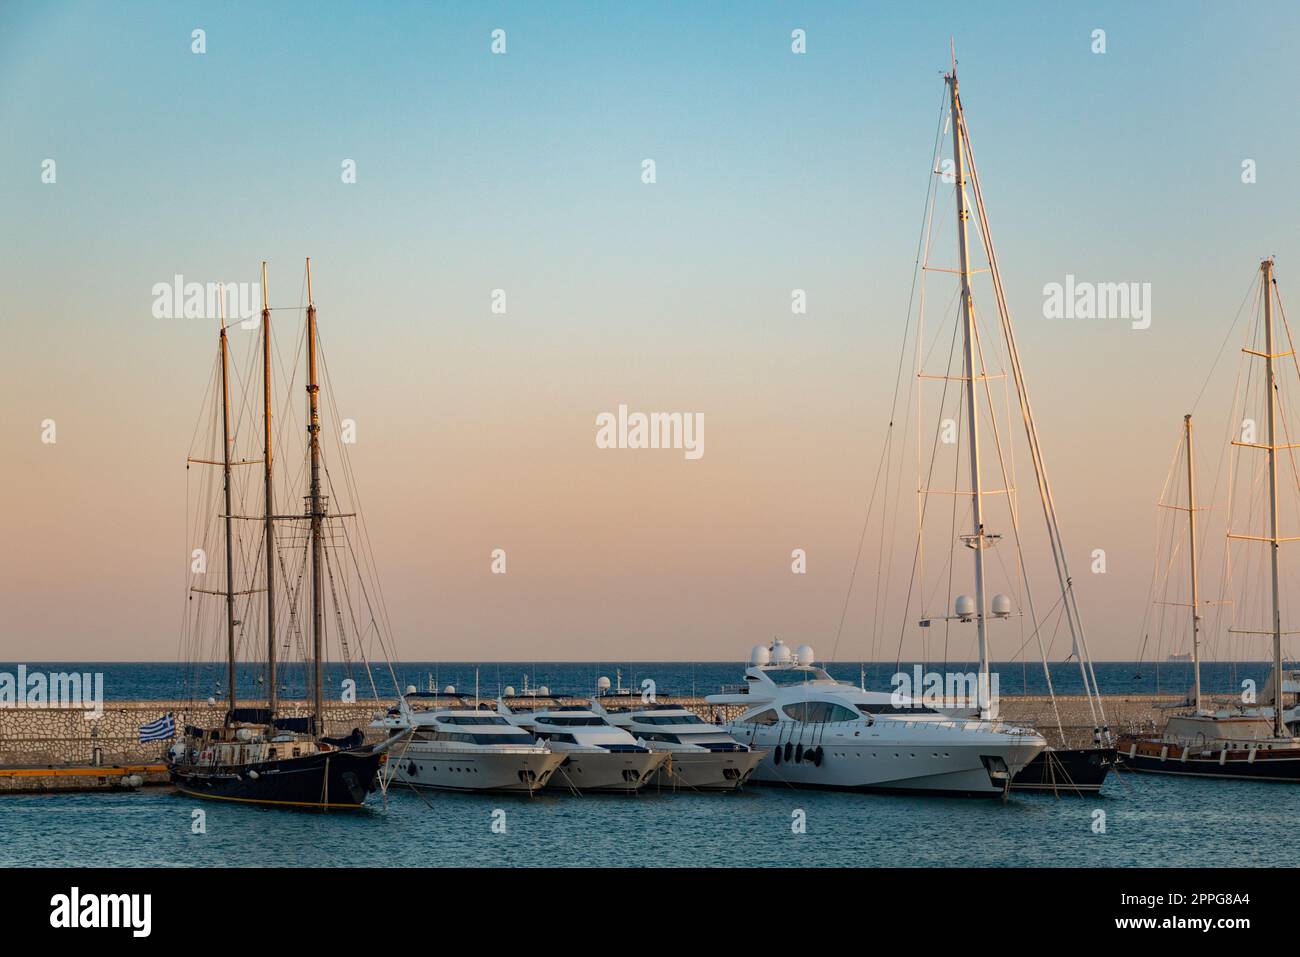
[257,755]
[1240,740]
[1061,768]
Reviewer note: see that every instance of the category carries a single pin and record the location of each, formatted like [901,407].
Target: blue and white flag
[164,729]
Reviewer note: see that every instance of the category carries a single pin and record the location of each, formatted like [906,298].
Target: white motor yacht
[454,747]
[595,755]
[701,756]
[823,733]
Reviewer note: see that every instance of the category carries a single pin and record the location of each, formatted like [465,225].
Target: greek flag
[163,729]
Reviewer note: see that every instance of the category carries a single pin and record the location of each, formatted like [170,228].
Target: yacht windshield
[570,721]
[669,719]
[797,676]
[479,719]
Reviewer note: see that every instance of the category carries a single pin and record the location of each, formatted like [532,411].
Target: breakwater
[62,738]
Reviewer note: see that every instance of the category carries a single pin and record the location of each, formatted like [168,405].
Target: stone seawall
[62,736]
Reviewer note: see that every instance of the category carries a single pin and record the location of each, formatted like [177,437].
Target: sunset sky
[523,172]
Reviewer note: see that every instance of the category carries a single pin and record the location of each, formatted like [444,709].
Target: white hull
[440,768]
[616,771]
[923,764]
[693,770]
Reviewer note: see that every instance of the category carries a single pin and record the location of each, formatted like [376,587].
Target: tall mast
[1279,726]
[313,431]
[225,468]
[1191,535]
[975,540]
[269,502]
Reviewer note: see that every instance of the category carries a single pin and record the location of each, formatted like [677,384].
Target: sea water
[1137,821]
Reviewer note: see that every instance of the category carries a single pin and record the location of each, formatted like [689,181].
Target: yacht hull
[1155,756]
[332,780]
[522,772]
[707,770]
[1066,771]
[622,772]
[896,767]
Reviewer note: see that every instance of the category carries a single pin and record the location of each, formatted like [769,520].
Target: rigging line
[1223,345]
[1015,529]
[387,646]
[1097,706]
[902,632]
[902,353]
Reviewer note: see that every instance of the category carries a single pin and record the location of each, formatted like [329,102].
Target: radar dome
[510,691]
[544,691]
[805,655]
[602,683]
[410,689]
[450,689]
[1001,606]
[780,652]
[964,606]
[760,655]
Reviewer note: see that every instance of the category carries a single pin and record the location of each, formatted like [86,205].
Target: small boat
[593,754]
[455,747]
[701,756]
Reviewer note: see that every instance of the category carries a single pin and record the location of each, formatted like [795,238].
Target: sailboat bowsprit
[257,755]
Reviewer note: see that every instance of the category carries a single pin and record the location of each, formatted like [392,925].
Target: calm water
[165,681]
[1149,821]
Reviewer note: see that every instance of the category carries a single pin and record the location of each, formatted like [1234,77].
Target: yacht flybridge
[823,733]
[593,755]
[454,747]
[701,756]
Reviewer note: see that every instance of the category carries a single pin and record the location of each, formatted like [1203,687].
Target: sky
[523,172]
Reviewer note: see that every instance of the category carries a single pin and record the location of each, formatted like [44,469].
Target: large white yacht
[454,747]
[701,756]
[823,733]
[595,755]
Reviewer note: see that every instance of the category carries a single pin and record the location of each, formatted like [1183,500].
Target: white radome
[964,607]
[1001,606]
[780,652]
[509,692]
[760,656]
[602,683]
[806,655]
[450,689]
[544,691]
[410,689]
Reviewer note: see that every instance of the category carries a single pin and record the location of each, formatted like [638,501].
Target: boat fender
[253,774]
[817,756]
[798,753]
[776,755]
[789,750]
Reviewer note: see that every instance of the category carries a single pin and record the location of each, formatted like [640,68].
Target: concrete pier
[56,749]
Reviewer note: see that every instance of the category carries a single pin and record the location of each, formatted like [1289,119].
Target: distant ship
[1183,657]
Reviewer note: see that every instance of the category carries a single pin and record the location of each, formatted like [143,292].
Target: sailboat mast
[1191,535]
[976,540]
[1279,725]
[225,468]
[317,597]
[268,501]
